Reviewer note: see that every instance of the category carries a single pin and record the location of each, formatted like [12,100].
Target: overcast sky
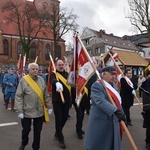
[108,15]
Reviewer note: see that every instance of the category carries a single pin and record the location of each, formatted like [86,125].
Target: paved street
[10,135]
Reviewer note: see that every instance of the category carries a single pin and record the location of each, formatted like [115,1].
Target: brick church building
[10,45]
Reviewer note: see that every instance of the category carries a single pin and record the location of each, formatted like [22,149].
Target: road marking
[8,124]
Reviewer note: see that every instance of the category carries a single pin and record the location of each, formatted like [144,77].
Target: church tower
[43,4]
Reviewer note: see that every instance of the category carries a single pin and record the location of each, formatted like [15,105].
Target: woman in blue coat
[103,132]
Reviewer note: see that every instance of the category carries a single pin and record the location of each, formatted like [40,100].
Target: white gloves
[21,116]
[50,111]
[59,86]
[133,92]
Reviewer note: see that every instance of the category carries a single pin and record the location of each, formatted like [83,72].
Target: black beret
[109,69]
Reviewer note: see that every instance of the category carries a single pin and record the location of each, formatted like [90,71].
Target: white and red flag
[67,68]
[81,69]
[110,61]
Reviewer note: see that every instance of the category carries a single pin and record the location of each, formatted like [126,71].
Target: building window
[87,41]
[47,50]
[97,50]
[20,48]
[5,45]
[90,52]
[33,51]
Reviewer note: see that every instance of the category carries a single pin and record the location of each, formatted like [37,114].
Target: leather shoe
[83,132]
[129,124]
[62,145]
[80,136]
[148,146]
[21,147]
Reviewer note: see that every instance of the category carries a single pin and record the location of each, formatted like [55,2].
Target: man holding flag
[103,132]
[61,108]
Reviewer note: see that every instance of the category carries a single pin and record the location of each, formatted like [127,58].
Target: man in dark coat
[61,109]
[127,93]
[145,88]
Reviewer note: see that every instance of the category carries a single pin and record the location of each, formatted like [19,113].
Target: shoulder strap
[35,87]
[64,81]
[39,92]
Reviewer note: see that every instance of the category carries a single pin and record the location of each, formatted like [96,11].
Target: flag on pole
[50,69]
[71,76]
[81,69]
[24,61]
[53,69]
[67,68]
[110,61]
[23,64]
[19,62]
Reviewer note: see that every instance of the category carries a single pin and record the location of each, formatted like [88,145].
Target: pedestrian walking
[145,88]
[127,93]
[10,81]
[61,110]
[103,131]
[31,97]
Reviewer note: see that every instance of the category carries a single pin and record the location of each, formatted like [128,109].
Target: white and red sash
[113,93]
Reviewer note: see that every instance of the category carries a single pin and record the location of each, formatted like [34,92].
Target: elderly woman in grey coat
[103,132]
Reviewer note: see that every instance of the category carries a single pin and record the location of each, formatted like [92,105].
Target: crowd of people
[28,95]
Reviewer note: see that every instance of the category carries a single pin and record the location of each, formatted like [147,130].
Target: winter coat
[103,131]
[28,102]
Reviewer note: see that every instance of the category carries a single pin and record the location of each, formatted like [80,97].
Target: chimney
[101,32]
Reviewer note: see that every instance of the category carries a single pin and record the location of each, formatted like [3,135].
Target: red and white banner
[81,69]
[110,62]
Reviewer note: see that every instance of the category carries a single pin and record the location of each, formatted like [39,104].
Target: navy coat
[126,93]
[103,131]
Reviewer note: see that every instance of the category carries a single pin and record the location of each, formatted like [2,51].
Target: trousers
[61,116]
[37,128]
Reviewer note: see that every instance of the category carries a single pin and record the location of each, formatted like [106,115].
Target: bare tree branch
[27,19]
[140,15]
[59,22]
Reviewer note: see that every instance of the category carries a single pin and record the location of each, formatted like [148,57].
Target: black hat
[109,69]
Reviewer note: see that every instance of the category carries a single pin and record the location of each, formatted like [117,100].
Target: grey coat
[28,102]
[103,132]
